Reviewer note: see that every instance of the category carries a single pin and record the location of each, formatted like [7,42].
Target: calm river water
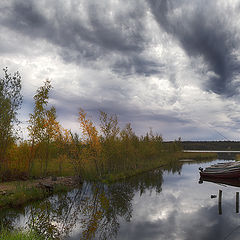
[160,204]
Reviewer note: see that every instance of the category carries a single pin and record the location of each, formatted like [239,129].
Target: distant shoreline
[211,151]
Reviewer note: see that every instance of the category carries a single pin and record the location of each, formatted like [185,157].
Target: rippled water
[155,205]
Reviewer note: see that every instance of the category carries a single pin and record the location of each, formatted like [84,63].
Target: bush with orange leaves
[91,149]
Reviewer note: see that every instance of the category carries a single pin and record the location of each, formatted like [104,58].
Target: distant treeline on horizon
[211,145]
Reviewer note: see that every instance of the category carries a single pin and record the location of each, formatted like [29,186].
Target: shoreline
[18,193]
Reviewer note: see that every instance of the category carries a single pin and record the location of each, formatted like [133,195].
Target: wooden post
[220,202]
[237,202]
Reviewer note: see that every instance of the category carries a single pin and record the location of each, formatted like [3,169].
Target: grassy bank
[169,162]
[19,235]
[108,178]
[15,194]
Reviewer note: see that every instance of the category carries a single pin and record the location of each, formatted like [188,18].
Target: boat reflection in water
[235,182]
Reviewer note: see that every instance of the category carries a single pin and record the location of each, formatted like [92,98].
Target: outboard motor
[200,169]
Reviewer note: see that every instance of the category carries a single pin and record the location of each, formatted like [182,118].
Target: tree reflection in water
[8,218]
[91,212]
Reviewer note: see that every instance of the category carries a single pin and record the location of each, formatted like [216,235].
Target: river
[162,204]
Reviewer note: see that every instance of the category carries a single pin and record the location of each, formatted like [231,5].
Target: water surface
[160,204]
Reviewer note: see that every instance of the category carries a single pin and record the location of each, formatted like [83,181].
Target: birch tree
[10,103]
[42,124]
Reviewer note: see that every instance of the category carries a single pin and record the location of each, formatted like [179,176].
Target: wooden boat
[222,170]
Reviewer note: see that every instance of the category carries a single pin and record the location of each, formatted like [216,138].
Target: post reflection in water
[237,202]
[224,182]
[220,202]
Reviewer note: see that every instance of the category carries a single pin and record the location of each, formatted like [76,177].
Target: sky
[169,65]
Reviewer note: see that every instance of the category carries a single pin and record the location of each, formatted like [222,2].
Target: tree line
[51,149]
[211,145]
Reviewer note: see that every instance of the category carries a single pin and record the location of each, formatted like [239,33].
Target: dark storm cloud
[80,40]
[203,29]
[25,13]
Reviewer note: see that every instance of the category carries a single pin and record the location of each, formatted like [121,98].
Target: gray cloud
[126,113]
[138,65]
[204,29]
[103,32]
[154,63]
[86,31]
